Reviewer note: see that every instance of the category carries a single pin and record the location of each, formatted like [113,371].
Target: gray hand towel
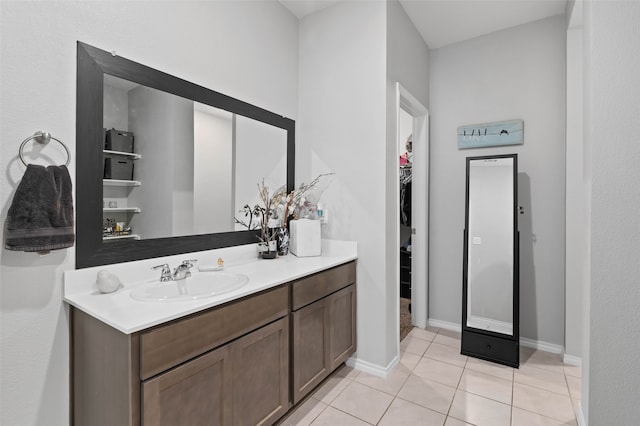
[40,217]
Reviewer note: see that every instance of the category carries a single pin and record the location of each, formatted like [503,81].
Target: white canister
[305,239]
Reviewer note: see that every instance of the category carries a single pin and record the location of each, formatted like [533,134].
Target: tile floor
[435,385]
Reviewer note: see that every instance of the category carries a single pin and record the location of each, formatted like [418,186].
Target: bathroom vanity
[241,359]
[244,356]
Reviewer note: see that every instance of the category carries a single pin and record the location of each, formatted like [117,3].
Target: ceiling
[443,22]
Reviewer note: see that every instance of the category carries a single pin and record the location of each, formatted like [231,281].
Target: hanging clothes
[405,203]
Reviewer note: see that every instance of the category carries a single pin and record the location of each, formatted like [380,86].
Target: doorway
[412,121]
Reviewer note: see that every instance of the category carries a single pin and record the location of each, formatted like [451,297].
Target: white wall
[347,125]
[151,121]
[407,64]
[182,129]
[219,45]
[261,153]
[612,131]
[515,73]
[341,122]
[212,170]
[577,188]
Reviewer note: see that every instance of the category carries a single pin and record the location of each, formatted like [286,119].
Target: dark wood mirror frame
[92,65]
[484,344]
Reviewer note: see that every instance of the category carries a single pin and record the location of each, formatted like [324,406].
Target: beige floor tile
[363,402]
[332,417]
[348,372]
[448,354]
[409,360]
[331,388]
[448,337]
[542,359]
[451,333]
[575,387]
[427,393]
[479,411]
[520,417]
[414,345]
[541,378]
[498,370]
[572,370]
[404,413]
[455,422]
[391,384]
[438,371]
[486,385]
[549,404]
[305,413]
[420,333]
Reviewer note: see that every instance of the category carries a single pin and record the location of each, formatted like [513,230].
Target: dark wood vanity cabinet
[228,365]
[242,383]
[197,392]
[323,326]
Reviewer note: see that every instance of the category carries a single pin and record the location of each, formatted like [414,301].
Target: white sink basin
[199,286]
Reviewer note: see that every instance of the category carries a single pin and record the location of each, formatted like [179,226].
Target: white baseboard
[529,343]
[542,346]
[580,416]
[572,360]
[373,369]
[444,324]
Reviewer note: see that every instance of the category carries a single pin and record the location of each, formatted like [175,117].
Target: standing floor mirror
[490,296]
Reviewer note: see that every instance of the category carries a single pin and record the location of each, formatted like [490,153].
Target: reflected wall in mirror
[196,166]
[490,295]
[195,161]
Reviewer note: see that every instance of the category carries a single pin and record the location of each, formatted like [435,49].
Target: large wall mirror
[165,166]
[490,303]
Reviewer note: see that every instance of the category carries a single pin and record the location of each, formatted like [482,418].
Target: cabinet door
[195,393]
[261,375]
[310,328]
[342,325]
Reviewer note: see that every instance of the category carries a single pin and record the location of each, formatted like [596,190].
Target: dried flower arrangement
[297,198]
[275,209]
[267,210]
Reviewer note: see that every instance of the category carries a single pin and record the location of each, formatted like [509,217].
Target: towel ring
[42,138]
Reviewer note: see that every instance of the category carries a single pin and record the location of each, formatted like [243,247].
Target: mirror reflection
[176,167]
[490,262]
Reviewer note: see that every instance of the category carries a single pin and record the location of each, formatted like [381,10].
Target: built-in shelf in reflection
[131,155]
[121,210]
[121,237]
[119,182]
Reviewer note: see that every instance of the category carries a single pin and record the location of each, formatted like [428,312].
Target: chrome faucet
[180,273]
[166,272]
[183,270]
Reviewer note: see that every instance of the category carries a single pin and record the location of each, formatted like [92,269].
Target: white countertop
[127,315]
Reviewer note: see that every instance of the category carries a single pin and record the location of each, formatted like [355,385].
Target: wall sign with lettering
[491,134]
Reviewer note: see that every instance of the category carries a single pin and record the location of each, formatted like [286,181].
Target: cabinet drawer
[491,348]
[315,287]
[168,345]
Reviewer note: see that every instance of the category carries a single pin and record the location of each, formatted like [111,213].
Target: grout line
[385,411]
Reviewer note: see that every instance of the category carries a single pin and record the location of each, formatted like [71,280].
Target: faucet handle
[166,271]
[163,266]
[189,263]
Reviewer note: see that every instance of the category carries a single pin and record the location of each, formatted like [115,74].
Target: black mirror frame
[92,64]
[488,345]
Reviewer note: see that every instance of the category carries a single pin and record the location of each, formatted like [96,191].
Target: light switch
[476,241]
